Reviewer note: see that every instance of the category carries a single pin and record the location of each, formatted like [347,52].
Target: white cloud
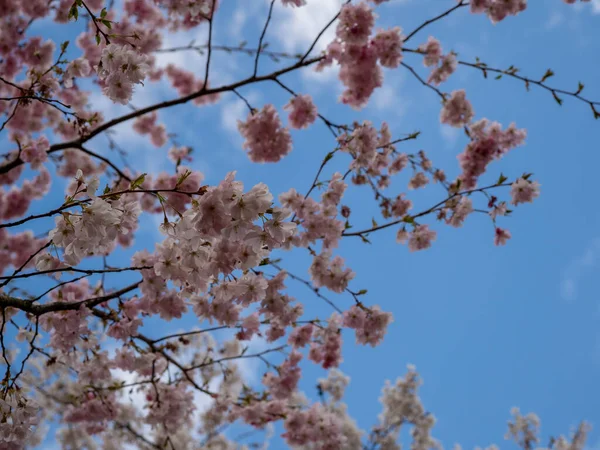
[577,269]
[240,16]
[222,67]
[554,20]
[123,134]
[137,397]
[388,99]
[450,134]
[188,59]
[325,77]
[385,97]
[595,5]
[297,28]
[235,110]
[231,112]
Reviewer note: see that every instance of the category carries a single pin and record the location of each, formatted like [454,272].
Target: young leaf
[138,181]
[547,75]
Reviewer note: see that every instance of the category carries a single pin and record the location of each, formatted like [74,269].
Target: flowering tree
[71,324]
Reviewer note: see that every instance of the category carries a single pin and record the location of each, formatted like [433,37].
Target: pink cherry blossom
[432,50]
[457,110]
[265,138]
[501,236]
[421,238]
[524,191]
[388,46]
[441,73]
[121,68]
[355,23]
[488,142]
[168,282]
[303,112]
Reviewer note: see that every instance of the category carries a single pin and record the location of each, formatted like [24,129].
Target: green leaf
[547,75]
[103,13]
[184,176]
[138,181]
[361,292]
[97,39]
[498,76]
[63,46]
[502,179]
[580,87]
[328,157]
[107,24]
[374,223]
[73,12]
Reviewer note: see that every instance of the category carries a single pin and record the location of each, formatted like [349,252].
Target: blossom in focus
[120,69]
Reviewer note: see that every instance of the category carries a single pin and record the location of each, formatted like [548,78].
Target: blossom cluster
[488,142]
[264,136]
[216,258]
[18,415]
[16,201]
[498,10]
[146,124]
[95,231]
[359,55]
[121,68]
[303,111]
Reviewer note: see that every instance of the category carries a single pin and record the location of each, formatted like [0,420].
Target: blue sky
[488,328]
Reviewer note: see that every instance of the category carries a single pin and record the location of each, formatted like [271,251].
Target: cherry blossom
[103,348]
[421,238]
[457,110]
[524,191]
[303,112]
[120,68]
[265,138]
